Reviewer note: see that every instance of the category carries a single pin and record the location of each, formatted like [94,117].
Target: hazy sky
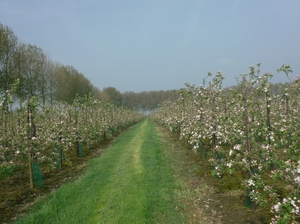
[160,44]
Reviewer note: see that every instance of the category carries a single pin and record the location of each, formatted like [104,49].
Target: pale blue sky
[160,44]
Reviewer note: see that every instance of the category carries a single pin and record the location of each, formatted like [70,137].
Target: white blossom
[297,180]
[251,182]
[229,164]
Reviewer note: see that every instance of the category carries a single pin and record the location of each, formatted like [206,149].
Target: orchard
[248,130]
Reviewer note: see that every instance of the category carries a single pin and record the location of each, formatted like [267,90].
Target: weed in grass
[6,171]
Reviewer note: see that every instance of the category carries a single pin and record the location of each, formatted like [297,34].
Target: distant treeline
[38,75]
[144,102]
[147,101]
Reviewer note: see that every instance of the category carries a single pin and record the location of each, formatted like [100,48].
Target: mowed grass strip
[131,182]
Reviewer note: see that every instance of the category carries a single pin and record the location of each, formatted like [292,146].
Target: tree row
[249,134]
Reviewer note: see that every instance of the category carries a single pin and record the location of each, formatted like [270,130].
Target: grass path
[131,182]
[146,176]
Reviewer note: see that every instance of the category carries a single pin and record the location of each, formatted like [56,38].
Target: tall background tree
[8,45]
[68,83]
[30,61]
[115,97]
[37,74]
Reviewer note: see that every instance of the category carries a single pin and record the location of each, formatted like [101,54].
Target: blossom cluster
[286,211]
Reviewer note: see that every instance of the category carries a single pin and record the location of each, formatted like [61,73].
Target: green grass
[6,171]
[131,182]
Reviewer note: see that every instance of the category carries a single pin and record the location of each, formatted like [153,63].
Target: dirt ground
[206,199]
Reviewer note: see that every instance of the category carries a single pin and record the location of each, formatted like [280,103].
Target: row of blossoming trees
[33,135]
[247,131]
